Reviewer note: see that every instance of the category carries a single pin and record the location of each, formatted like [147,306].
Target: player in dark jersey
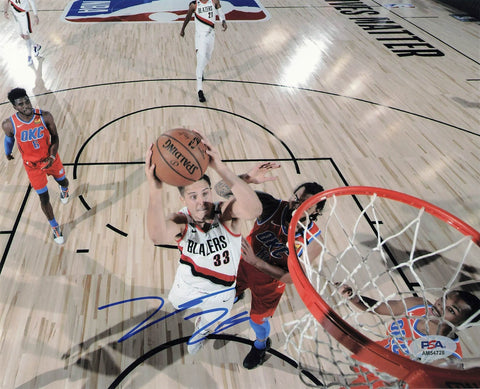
[263,268]
[37,140]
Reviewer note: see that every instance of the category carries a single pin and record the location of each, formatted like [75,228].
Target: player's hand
[215,160]
[224,25]
[150,169]
[47,163]
[10,157]
[247,253]
[347,292]
[182,33]
[256,175]
[344,289]
[35,19]
[5,13]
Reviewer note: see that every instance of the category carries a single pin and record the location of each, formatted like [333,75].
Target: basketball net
[393,248]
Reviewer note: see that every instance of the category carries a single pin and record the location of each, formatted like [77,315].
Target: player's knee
[63,182]
[44,198]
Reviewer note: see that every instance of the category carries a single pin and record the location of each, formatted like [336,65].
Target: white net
[390,271]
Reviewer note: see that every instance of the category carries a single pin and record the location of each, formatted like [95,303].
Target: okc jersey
[209,258]
[269,235]
[205,14]
[402,332]
[33,137]
[23,5]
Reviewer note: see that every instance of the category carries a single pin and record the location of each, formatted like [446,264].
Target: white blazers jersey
[205,14]
[24,5]
[212,256]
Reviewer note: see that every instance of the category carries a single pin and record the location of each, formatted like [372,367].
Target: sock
[53,223]
[261,331]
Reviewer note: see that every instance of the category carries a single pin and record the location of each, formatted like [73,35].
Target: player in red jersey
[37,140]
[418,326]
[263,268]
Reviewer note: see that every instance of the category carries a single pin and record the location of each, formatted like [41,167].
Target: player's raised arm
[162,229]
[246,204]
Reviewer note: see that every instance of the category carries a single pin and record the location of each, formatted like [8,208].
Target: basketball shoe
[36,50]
[64,196]
[201,96]
[256,356]
[57,235]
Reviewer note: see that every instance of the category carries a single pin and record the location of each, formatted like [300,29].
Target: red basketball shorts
[38,177]
[266,291]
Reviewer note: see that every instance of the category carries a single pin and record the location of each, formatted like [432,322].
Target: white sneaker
[36,50]
[57,235]
[64,196]
[29,61]
[195,347]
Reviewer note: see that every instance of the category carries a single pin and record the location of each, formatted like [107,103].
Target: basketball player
[21,12]
[263,268]
[420,320]
[208,236]
[37,140]
[205,14]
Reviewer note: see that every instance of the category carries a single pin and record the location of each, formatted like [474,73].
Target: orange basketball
[179,157]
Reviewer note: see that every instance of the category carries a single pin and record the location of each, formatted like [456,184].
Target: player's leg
[48,211]
[38,180]
[201,43]
[24,26]
[265,299]
[214,310]
[58,172]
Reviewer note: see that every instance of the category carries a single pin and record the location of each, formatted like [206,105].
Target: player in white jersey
[208,236]
[21,11]
[205,15]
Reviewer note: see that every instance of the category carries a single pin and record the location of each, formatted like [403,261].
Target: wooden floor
[318,90]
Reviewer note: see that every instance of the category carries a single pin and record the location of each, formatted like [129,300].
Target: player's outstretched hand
[257,175]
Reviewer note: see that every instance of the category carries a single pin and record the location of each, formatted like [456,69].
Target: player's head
[304,192]
[198,198]
[457,307]
[16,93]
[20,101]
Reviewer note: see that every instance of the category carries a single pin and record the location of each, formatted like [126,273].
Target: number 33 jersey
[212,256]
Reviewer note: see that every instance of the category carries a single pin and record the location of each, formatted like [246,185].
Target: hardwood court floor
[311,87]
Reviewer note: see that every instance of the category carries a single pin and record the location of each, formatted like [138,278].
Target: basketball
[179,157]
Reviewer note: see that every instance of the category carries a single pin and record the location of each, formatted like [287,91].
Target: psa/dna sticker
[159,11]
[432,347]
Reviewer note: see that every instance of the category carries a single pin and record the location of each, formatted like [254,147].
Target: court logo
[159,11]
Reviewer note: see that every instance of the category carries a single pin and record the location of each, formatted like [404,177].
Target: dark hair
[16,93]
[312,188]
[472,300]
[181,189]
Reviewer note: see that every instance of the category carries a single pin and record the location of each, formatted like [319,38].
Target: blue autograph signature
[230,322]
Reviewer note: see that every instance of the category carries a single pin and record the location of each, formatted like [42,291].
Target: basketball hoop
[395,247]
